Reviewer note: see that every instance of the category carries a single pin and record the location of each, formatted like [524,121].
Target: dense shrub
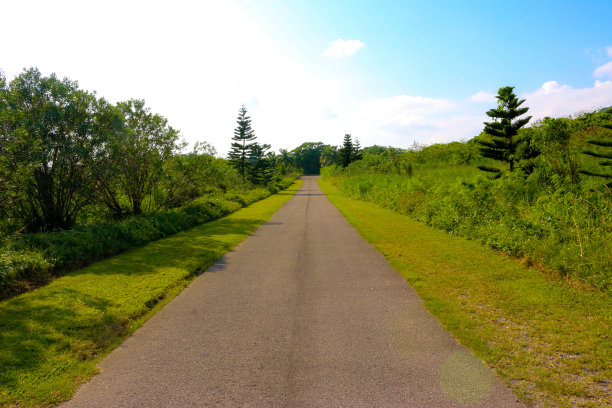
[568,230]
[35,257]
[19,266]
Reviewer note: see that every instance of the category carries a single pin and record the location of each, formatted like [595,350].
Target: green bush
[35,257]
[566,231]
[18,266]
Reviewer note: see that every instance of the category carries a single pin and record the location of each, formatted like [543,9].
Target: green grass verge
[52,337]
[551,342]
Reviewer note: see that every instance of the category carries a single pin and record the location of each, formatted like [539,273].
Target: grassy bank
[31,260]
[566,231]
[53,337]
[549,341]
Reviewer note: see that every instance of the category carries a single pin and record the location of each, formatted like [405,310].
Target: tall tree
[134,159]
[285,162]
[261,164]
[346,152]
[51,132]
[308,157]
[356,154]
[242,144]
[502,143]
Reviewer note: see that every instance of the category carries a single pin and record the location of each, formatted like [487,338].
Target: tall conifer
[503,142]
[346,152]
[242,143]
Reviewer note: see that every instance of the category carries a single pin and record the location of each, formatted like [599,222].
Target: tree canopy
[52,133]
[308,157]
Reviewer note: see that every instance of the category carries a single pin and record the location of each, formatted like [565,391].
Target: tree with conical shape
[356,154]
[503,142]
[261,164]
[242,143]
[346,152]
[606,163]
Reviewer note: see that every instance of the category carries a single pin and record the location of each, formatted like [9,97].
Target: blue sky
[388,72]
[448,48]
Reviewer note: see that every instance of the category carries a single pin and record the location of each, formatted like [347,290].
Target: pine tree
[503,142]
[244,135]
[346,152]
[356,154]
[261,164]
[606,163]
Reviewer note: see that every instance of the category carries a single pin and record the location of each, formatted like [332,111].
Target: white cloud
[483,96]
[609,51]
[188,62]
[405,104]
[555,100]
[401,120]
[341,48]
[604,70]
[553,87]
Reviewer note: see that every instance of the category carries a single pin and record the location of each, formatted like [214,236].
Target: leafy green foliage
[329,155]
[134,159]
[53,337]
[601,149]
[71,163]
[549,216]
[51,134]
[554,138]
[30,259]
[549,341]
[285,162]
[187,176]
[308,157]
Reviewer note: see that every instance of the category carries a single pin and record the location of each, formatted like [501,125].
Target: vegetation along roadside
[53,337]
[549,341]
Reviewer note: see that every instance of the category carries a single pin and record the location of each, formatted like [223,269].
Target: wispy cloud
[604,71]
[554,100]
[609,51]
[402,119]
[341,48]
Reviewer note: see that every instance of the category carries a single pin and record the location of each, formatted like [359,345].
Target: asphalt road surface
[304,313]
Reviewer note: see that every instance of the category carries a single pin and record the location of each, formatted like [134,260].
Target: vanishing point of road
[304,313]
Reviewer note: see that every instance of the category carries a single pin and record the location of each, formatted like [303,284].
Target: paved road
[304,313]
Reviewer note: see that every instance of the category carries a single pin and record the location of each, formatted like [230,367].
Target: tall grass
[565,231]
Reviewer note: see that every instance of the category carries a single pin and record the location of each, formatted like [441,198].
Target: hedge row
[30,260]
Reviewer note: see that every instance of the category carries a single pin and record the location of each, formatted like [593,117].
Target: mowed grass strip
[549,341]
[52,338]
